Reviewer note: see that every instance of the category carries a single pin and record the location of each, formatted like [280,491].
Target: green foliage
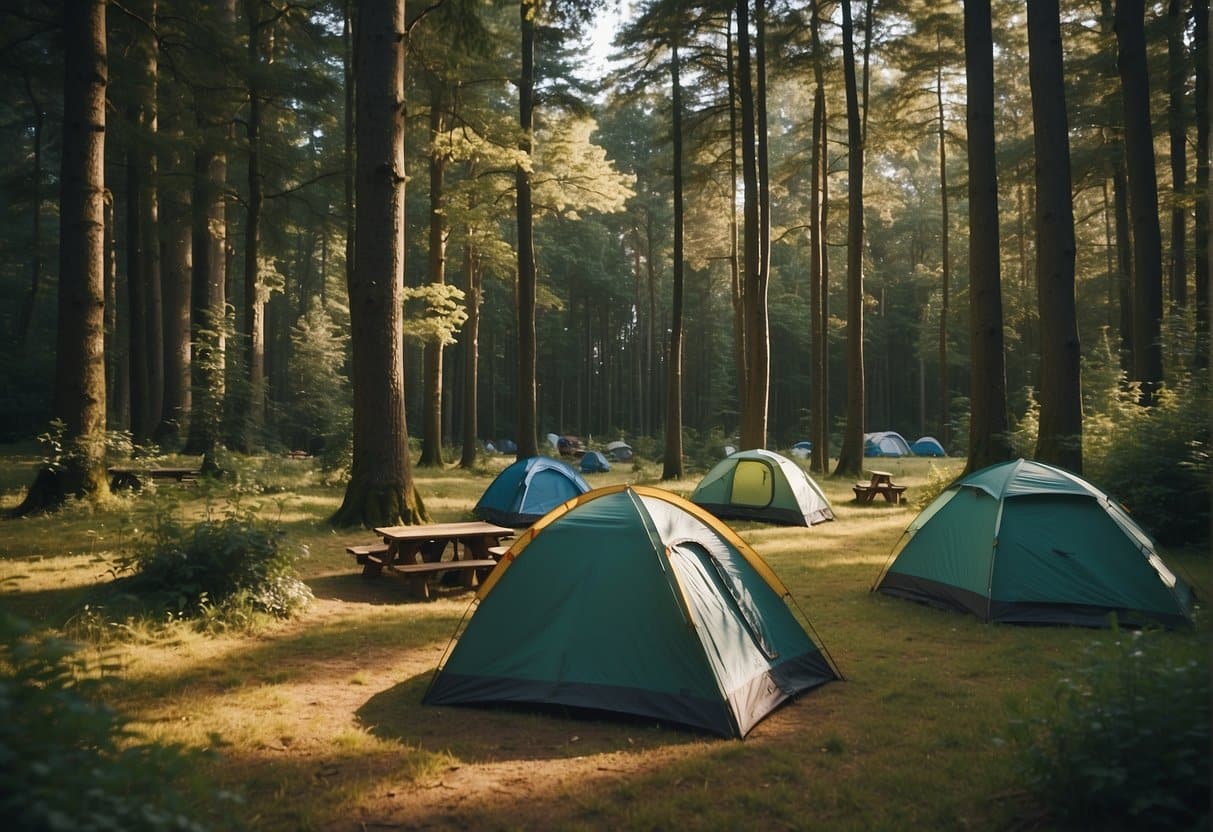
[1155,460]
[225,572]
[1124,744]
[318,415]
[69,762]
[441,313]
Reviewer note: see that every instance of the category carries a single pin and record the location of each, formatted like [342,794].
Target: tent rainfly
[927,446]
[632,600]
[885,443]
[764,486]
[528,489]
[593,462]
[1028,543]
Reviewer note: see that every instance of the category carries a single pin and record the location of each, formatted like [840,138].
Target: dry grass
[318,721]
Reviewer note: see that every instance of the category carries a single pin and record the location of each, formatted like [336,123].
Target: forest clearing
[316,722]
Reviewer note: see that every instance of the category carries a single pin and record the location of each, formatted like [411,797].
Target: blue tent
[928,446]
[507,446]
[527,490]
[592,462]
[802,449]
[885,443]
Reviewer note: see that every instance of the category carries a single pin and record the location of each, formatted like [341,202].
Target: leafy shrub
[1125,742]
[1155,460]
[69,762]
[220,571]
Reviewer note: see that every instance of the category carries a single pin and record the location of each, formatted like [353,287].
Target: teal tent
[1026,542]
[528,489]
[764,486]
[630,599]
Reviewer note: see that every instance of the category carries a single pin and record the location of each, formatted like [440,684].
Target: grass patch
[317,720]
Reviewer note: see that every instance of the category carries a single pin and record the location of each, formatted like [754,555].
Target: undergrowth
[1124,741]
[68,762]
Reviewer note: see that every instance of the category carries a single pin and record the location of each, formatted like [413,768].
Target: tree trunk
[381,490]
[945,395]
[79,391]
[736,291]
[26,316]
[176,268]
[1060,435]
[850,455]
[1200,48]
[527,391]
[1177,81]
[754,409]
[471,360]
[1143,197]
[254,300]
[431,429]
[988,439]
[820,455]
[672,467]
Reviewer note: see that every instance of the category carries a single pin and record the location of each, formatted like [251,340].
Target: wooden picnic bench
[880,483]
[415,553]
[123,476]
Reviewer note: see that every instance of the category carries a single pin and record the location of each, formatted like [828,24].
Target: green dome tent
[632,600]
[764,486]
[1026,542]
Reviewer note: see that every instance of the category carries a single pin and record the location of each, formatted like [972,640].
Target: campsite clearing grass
[317,722]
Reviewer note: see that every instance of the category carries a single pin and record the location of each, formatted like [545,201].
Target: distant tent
[729,449]
[570,445]
[885,443]
[619,451]
[928,446]
[528,489]
[632,600]
[553,440]
[802,449]
[764,486]
[490,448]
[507,446]
[1025,542]
[593,462]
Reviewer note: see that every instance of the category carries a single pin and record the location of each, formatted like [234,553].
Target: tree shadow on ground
[510,732]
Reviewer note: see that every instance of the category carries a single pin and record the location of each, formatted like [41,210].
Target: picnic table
[416,552]
[880,483]
[129,476]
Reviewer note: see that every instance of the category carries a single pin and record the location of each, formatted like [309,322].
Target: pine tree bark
[850,455]
[1200,48]
[672,463]
[1143,197]
[526,426]
[819,460]
[381,491]
[254,300]
[1059,440]
[471,358]
[431,429]
[988,419]
[945,283]
[754,409]
[79,389]
[1177,126]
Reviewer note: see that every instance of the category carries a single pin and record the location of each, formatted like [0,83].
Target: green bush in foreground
[67,762]
[1125,742]
[224,572]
